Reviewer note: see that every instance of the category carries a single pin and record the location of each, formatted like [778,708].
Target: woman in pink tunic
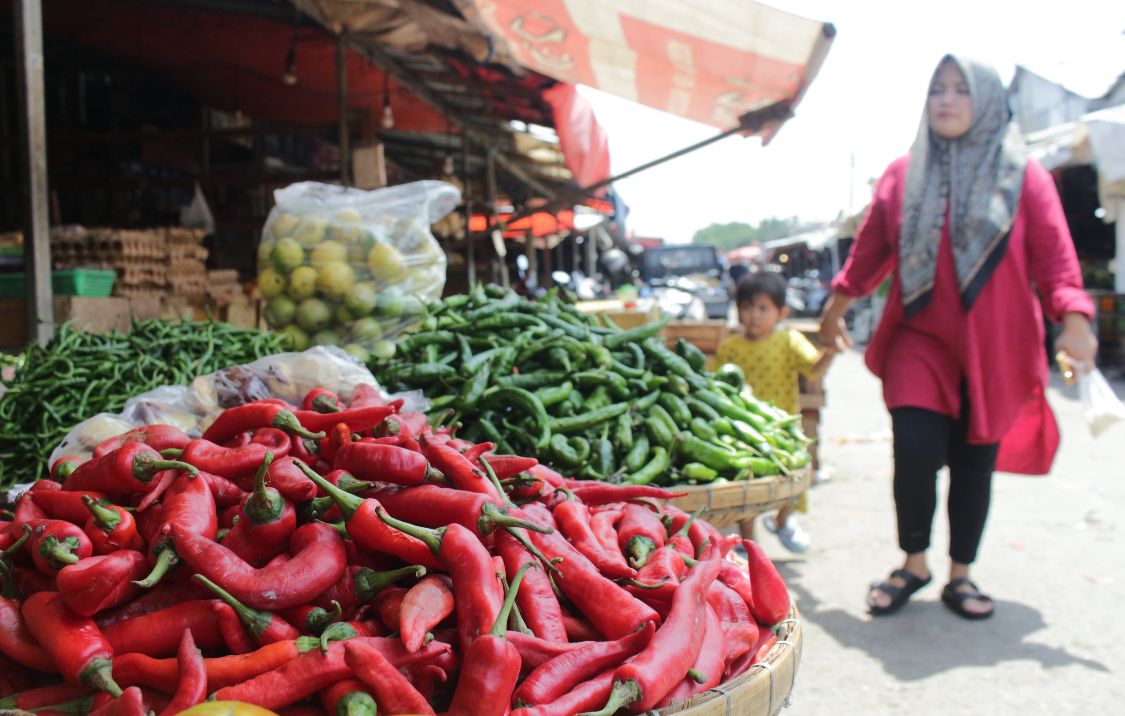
[974,238]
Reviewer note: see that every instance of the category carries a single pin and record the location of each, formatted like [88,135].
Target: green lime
[361,298]
[358,352]
[271,283]
[328,252]
[386,263]
[283,225]
[383,350]
[390,302]
[313,315]
[302,283]
[310,230]
[342,316]
[325,338]
[334,279]
[359,246]
[366,329]
[280,310]
[287,255]
[295,338]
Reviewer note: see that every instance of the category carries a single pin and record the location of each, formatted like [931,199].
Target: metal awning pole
[33,127]
[342,105]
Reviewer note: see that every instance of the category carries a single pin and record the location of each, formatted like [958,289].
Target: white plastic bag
[1099,403]
[353,268]
[197,215]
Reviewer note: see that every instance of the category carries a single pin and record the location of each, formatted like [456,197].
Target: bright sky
[866,102]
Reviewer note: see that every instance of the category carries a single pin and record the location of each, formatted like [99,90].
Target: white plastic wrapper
[191,408]
[1099,403]
[353,268]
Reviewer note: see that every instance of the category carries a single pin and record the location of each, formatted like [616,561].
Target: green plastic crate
[72,282]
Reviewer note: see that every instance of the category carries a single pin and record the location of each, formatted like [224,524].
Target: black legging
[924,441]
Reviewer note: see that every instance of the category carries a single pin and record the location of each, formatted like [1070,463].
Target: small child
[772,359]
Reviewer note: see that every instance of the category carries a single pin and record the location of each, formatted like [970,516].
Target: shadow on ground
[925,638]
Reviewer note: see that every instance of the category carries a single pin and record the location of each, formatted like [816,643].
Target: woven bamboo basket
[761,691]
[729,503]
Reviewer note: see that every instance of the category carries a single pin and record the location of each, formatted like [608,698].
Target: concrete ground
[1053,558]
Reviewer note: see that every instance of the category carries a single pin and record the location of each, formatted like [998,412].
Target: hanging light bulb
[289,77]
[388,121]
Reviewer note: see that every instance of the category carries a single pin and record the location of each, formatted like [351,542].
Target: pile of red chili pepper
[350,559]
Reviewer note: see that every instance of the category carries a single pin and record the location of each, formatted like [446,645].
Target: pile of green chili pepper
[588,398]
[79,374]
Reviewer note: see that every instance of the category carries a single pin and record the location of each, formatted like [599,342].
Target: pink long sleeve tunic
[995,350]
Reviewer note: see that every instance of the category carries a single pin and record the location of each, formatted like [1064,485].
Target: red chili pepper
[338,436]
[56,543]
[318,561]
[771,596]
[612,610]
[127,470]
[508,466]
[382,463]
[61,468]
[358,420]
[349,697]
[130,703]
[311,619]
[738,579]
[364,395]
[550,681]
[601,493]
[321,400]
[101,582]
[231,630]
[469,565]
[424,606]
[758,654]
[236,464]
[251,416]
[17,643]
[651,675]
[359,585]
[157,436]
[287,478]
[473,452]
[27,511]
[536,599]
[657,581]
[434,506]
[190,507]
[157,633]
[394,693]
[276,440]
[110,528]
[239,440]
[738,623]
[417,422]
[312,671]
[169,592]
[388,605]
[491,666]
[193,677]
[699,531]
[573,519]
[462,473]
[707,671]
[264,627]
[164,674]
[535,651]
[38,698]
[160,485]
[225,492]
[579,629]
[62,504]
[74,643]
[639,533]
[365,527]
[603,525]
[305,451]
[347,481]
[580,699]
[266,521]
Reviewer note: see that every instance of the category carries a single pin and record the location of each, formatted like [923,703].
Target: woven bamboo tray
[729,503]
[761,691]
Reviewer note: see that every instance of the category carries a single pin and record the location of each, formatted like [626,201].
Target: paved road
[1053,558]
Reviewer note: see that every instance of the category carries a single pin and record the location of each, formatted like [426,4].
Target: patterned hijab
[977,177]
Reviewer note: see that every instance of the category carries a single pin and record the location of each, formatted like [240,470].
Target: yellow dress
[771,367]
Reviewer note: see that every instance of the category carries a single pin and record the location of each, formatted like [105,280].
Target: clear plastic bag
[192,408]
[1100,404]
[353,268]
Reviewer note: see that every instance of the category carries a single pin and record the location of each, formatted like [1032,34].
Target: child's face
[760,316]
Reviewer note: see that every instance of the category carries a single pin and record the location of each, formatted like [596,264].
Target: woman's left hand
[1077,339]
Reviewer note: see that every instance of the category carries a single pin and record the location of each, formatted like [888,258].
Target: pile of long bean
[79,374]
[591,400]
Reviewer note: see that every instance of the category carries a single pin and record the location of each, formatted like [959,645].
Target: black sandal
[899,595]
[955,599]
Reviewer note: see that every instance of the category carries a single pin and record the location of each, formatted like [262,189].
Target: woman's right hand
[833,328]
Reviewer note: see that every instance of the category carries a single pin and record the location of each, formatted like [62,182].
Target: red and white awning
[707,60]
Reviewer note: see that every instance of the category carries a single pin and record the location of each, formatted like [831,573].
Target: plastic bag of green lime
[352,268]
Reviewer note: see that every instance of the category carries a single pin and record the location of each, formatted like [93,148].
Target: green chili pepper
[537,379]
[551,395]
[603,457]
[585,420]
[696,358]
[654,468]
[698,472]
[703,430]
[474,388]
[638,454]
[599,398]
[623,433]
[635,335]
[676,408]
[570,452]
